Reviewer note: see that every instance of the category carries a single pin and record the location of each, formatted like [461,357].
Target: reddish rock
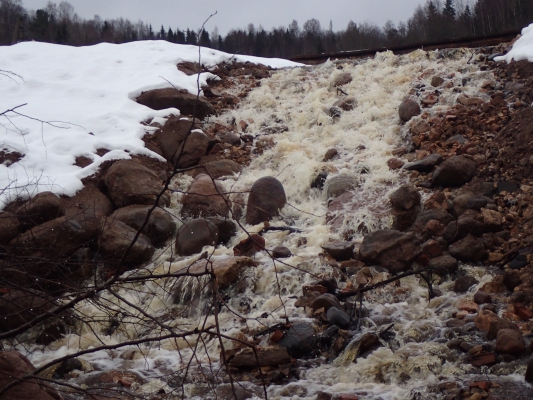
[131,183]
[468,249]
[219,169]
[204,198]
[249,246]
[510,341]
[497,324]
[405,197]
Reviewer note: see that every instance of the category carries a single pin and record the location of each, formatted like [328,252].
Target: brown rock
[9,227]
[455,171]
[266,199]
[326,301]
[405,197]
[482,298]
[330,154]
[484,319]
[219,169]
[510,341]
[187,103]
[468,249]
[194,235]
[347,103]
[436,81]
[131,183]
[463,283]
[343,79]
[249,246]
[444,264]
[261,357]
[340,251]
[44,207]
[408,109]
[497,324]
[205,198]
[495,286]
[340,184]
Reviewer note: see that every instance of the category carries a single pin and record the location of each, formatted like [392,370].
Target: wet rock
[87,206]
[67,366]
[226,228]
[469,101]
[340,184]
[131,183]
[281,252]
[463,283]
[423,218]
[425,165]
[324,396]
[495,286]
[455,171]
[519,262]
[405,197]
[187,103]
[239,391]
[484,318]
[14,366]
[319,181]
[497,324]
[261,357]
[436,81]
[395,163]
[510,341]
[300,340]
[468,249]
[326,301]
[529,371]
[194,235]
[340,251]
[347,103]
[330,154]
[159,227]
[482,297]
[249,246]
[42,208]
[444,264]
[508,186]
[511,279]
[219,169]
[390,249]
[408,109]
[266,199]
[343,79]
[9,227]
[204,198]
[232,138]
[338,317]
[116,238]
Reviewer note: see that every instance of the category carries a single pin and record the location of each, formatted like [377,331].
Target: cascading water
[296,104]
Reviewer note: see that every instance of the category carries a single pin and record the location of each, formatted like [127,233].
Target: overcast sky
[239,13]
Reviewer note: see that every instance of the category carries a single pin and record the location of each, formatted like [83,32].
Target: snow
[522,49]
[86,96]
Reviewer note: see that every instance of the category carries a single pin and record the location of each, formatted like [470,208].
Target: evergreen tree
[170,36]
[162,34]
[449,10]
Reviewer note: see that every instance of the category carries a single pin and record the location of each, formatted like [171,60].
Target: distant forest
[435,20]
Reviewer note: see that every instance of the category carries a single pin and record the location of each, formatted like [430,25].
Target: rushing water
[299,99]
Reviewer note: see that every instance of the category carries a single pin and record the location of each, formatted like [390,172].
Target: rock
[226,228]
[390,249]
[159,228]
[325,301]
[508,186]
[232,138]
[408,109]
[463,283]
[194,235]
[420,227]
[44,207]
[9,227]
[14,366]
[266,199]
[395,163]
[261,357]
[436,81]
[511,279]
[187,103]
[67,366]
[340,184]
[482,297]
[237,391]
[338,317]
[347,103]
[205,198]
[227,270]
[340,251]
[425,165]
[131,183]
[468,249]
[510,341]
[455,171]
[343,79]
[281,252]
[477,203]
[529,371]
[190,150]
[300,340]
[519,262]
[88,205]
[495,286]
[115,239]
[469,101]
[318,182]
[19,307]
[483,320]
[330,154]
[444,264]
[249,246]
[419,127]
[497,324]
[219,169]
[405,197]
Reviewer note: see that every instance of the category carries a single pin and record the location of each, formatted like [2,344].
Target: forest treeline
[433,21]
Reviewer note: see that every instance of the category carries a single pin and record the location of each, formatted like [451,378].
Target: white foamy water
[365,138]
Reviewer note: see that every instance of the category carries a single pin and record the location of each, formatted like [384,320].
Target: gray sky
[239,13]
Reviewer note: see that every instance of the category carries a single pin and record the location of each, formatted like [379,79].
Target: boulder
[343,79]
[281,252]
[88,205]
[250,245]
[159,228]
[436,81]
[115,239]
[390,249]
[300,340]
[258,357]
[129,183]
[204,198]
[338,317]
[497,324]
[463,283]
[14,366]
[408,109]
[9,227]
[422,222]
[219,169]
[194,235]
[187,103]
[44,207]
[330,154]
[190,150]
[325,301]
[425,165]
[444,264]
[226,228]
[405,197]
[510,341]
[468,249]
[340,184]
[455,171]
[266,199]
[340,251]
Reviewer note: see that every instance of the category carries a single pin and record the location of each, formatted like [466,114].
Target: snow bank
[522,49]
[86,94]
